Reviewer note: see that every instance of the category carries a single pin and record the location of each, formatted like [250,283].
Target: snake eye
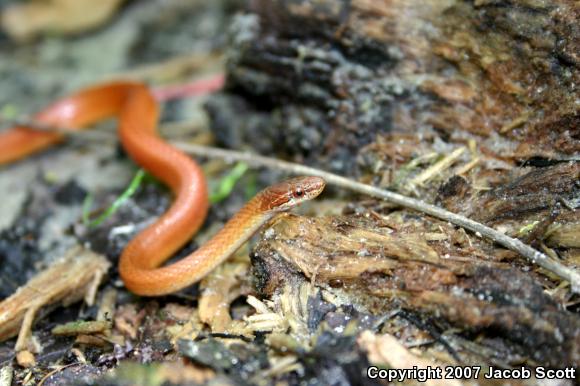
[298,193]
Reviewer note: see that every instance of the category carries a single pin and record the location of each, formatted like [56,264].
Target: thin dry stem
[534,256]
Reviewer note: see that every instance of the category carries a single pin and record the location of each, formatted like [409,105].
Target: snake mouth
[317,185]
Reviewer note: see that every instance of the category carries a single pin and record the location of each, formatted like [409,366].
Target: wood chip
[69,280]
[219,290]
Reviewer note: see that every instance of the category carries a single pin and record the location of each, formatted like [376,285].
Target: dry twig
[534,256]
[481,230]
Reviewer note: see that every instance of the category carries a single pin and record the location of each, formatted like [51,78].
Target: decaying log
[382,90]
[382,265]
[321,79]
[543,195]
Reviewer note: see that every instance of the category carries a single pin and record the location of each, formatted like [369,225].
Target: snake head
[286,195]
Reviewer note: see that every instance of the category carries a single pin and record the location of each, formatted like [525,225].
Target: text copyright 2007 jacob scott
[468,372]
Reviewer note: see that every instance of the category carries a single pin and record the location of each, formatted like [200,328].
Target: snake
[141,263]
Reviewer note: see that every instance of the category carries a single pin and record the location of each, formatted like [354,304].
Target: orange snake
[140,262]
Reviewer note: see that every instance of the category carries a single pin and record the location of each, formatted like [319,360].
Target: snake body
[141,260]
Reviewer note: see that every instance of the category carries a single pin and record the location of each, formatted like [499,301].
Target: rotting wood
[409,79]
[69,280]
[341,73]
[376,85]
[533,255]
[219,289]
[449,281]
[343,251]
[533,194]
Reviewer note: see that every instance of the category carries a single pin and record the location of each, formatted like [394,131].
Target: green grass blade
[227,183]
[88,202]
